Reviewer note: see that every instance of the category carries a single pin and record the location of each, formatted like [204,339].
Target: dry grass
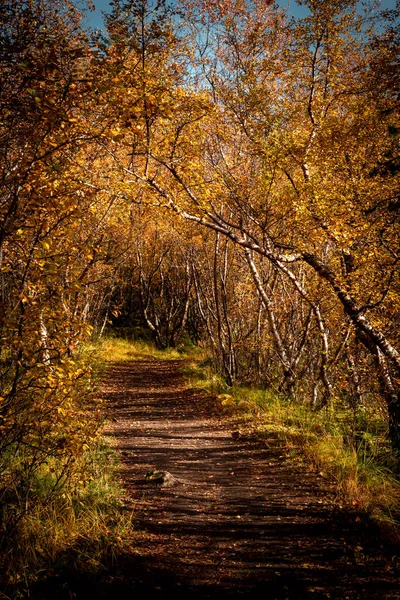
[82,525]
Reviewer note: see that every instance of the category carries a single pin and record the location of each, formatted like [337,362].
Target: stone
[163,478]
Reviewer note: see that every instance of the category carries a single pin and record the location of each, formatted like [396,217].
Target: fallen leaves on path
[244,520]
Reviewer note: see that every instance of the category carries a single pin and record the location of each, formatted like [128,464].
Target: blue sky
[95,19]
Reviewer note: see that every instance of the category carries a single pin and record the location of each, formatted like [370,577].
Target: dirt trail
[242,521]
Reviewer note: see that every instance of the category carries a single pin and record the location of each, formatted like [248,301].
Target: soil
[243,520]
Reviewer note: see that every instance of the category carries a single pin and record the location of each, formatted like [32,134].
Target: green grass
[358,461]
[112,349]
[199,371]
[81,524]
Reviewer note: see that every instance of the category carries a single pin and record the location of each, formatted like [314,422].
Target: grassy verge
[64,510]
[349,449]
[79,525]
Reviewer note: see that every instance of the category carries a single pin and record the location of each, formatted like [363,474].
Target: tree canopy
[205,171]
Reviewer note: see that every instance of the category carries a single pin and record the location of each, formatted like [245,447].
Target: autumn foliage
[204,172]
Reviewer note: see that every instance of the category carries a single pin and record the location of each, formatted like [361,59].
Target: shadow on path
[242,522]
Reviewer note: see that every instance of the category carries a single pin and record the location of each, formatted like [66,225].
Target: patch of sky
[94,18]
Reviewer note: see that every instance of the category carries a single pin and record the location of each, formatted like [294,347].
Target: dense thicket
[209,172]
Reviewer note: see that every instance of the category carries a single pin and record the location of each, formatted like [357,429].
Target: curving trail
[243,521]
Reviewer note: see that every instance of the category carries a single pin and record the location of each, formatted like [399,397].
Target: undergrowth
[80,524]
[348,447]
[63,510]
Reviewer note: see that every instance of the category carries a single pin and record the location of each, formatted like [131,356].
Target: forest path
[243,521]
